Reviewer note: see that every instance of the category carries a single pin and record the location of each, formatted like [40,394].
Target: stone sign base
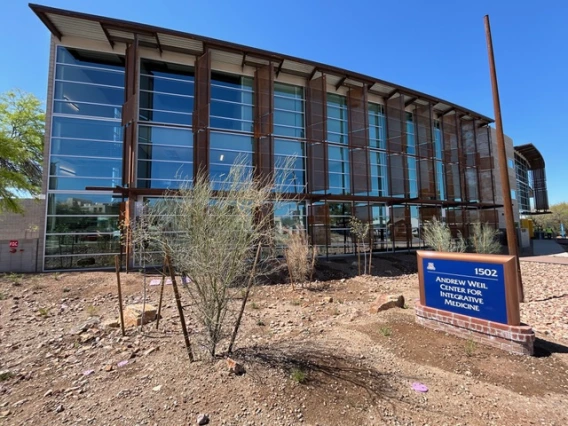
[515,339]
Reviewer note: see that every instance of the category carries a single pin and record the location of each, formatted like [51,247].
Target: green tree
[559,215]
[22,122]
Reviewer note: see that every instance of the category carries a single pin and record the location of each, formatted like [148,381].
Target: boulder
[386,301]
[133,314]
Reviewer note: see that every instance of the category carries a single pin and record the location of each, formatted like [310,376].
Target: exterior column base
[514,339]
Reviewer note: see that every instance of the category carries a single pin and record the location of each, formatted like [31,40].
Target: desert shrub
[214,236]
[484,239]
[437,235]
[300,256]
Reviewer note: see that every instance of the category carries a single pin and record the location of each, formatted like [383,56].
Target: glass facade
[377,150]
[85,150]
[337,138]
[524,178]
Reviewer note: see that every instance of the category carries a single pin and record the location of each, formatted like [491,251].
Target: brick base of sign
[515,339]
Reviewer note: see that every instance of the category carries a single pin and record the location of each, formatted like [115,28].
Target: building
[134,110]
[527,178]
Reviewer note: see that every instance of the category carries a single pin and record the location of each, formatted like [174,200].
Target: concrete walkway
[547,251]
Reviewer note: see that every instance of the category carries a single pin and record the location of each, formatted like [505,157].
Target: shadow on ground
[544,348]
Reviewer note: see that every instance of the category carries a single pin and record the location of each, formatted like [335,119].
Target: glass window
[165,136]
[86,58]
[166,93]
[82,204]
[68,166]
[231,105]
[288,110]
[67,127]
[86,148]
[377,128]
[90,75]
[290,215]
[227,149]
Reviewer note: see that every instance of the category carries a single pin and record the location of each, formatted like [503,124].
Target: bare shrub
[360,230]
[485,239]
[300,256]
[438,236]
[211,233]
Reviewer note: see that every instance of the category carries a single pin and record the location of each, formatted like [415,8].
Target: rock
[235,367]
[91,322]
[386,301]
[6,413]
[157,388]
[111,323]
[108,368]
[133,314]
[59,408]
[202,419]
[151,350]
[48,393]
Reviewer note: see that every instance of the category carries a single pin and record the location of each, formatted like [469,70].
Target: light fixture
[222,157]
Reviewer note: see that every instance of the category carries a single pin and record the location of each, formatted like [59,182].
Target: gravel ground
[546,299]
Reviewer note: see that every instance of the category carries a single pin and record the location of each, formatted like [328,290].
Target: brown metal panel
[425,151]
[485,166]
[264,122]
[201,104]
[396,146]
[316,133]
[540,191]
[358,115]
[469,156]
[451,158]
[319,221]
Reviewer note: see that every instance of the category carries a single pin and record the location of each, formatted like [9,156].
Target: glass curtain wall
[524,178]
[86,150]
[377,150]
[411,156]
[289,138]
[337,138]
[165,138]
[439,164]
[231,123]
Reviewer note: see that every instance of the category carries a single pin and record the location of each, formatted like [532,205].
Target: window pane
[165,117]
[85,166]
[83,224]
[165,153]
[86,129]
[164,170]
[74,184]
[79,108]
[163,102]
[82,204]
[92,59]
[230,141]
[90,75]
[78,92]
[82,244]
[86,148]
[165,136]
[168,85]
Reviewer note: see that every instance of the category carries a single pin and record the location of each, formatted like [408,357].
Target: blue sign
[469,288]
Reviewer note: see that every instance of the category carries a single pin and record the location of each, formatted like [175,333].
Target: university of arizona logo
[431,266]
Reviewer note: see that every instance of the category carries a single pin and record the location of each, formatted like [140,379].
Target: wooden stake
[164,271]
[117,268]
[245,298]
[179,308]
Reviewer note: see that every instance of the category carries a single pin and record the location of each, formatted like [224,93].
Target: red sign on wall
[14,244]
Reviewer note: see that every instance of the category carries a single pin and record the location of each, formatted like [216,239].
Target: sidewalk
[547,251]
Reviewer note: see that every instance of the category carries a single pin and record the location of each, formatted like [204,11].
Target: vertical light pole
[502,155]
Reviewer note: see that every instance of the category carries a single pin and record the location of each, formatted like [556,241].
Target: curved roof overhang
[532,155]
[63,23]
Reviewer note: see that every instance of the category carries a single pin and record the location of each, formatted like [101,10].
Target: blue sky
[437,47]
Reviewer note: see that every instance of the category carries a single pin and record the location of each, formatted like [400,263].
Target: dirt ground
[355,368]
